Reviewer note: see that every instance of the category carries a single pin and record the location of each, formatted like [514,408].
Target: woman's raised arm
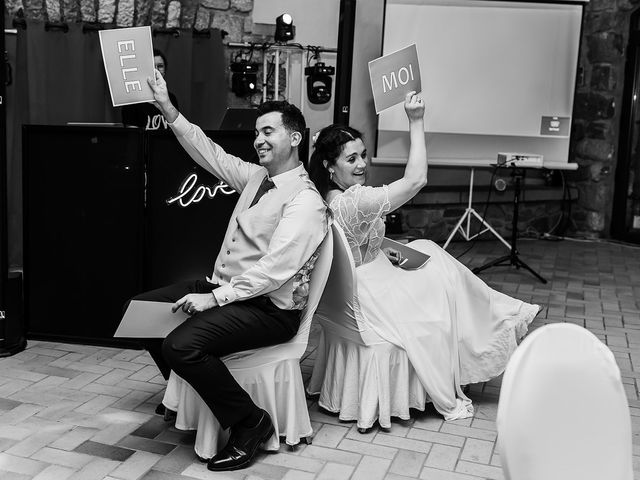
[415,172]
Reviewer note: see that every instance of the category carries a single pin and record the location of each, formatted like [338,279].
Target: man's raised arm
[161,97]
[200,148]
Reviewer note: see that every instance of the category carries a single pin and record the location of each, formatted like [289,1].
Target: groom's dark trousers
[194,348]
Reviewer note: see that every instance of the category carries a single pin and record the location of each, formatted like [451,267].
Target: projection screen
[497,76]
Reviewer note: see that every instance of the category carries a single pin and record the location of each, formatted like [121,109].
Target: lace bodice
[359,212]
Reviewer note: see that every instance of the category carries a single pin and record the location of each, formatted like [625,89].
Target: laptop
[412,259]
[236,118]
[95,124]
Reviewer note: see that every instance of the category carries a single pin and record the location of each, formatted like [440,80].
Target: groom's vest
[249,233]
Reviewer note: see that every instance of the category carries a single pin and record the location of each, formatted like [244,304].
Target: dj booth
[110,212]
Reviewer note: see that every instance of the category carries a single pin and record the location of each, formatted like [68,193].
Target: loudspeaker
[346,32]
[187,209]
[83,223]
[12,325]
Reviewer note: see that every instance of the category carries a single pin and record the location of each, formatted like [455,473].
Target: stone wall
[598,102]
[233,16]
[596,125]
[422,219]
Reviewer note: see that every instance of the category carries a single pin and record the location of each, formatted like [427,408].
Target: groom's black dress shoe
[242,445]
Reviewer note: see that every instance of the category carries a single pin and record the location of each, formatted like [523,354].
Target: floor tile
[111,452]
[85,412]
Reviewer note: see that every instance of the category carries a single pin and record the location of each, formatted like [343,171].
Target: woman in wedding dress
[455,329]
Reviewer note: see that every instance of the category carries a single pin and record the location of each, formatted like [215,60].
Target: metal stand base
[468,214]
[512,258]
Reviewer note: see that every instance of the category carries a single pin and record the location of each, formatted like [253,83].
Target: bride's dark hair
[328,146]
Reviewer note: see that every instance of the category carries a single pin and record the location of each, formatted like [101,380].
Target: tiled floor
[85,412]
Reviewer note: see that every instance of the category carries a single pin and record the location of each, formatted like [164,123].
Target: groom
[251,299]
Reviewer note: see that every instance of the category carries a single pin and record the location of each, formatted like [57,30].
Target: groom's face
[273,141]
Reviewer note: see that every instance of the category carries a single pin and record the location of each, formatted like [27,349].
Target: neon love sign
[188,193]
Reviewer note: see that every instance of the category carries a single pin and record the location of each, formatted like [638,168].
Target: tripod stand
[512,258]
[468,215]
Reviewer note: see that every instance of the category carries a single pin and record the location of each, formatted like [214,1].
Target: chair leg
[305,440]
[170,416]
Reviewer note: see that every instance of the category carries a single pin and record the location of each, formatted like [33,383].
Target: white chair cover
[270,375]
[356,372]
[563,413]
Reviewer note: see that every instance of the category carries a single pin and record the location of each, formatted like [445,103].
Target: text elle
[125,46]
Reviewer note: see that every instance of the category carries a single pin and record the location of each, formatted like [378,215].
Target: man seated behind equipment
[252,298]
[145,115]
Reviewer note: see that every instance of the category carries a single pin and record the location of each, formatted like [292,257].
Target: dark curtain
[65,77]
[59,78]
[195,74]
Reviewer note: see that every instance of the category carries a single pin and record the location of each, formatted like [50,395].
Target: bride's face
[351,166]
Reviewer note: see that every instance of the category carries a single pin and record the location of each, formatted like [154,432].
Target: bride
[455,329]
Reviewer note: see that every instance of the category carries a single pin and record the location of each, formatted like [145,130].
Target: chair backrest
[295,347]
[317,283]
[339,309]
[563,413]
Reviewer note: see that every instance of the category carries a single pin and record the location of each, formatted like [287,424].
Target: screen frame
[383,158]
[363,117]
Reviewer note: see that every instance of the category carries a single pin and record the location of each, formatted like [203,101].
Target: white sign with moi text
[393,75]
[127,54]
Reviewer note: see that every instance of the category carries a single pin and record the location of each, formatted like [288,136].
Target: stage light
[285,29]
[244,78]
[319,82]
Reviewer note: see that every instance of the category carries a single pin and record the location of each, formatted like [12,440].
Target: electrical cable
[270,69]
[562,207]
[315,56]
[605,241]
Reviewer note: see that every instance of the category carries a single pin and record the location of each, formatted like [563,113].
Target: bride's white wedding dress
[455,329]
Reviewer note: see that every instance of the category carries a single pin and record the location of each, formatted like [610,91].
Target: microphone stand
[513,257]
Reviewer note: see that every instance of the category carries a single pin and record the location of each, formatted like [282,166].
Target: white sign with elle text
[127,54]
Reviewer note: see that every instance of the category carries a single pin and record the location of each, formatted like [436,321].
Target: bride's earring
[331,175]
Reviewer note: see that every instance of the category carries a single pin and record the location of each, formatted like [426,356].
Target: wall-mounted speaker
[13,329]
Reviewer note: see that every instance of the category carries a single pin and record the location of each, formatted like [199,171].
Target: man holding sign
[259,283]
[145,115]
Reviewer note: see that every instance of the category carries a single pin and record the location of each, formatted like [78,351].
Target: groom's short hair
[292,117]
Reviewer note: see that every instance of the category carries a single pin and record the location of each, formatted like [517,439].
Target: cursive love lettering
[189,193]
